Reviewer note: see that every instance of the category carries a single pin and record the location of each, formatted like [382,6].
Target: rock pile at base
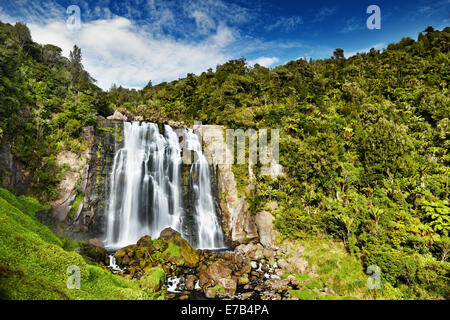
[249,272]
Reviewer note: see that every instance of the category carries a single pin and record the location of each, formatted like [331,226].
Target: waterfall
[209,230]
[145,188]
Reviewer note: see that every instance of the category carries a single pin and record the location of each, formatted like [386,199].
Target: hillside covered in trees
[363,140]
[364,143]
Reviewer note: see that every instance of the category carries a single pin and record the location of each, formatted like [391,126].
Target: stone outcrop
[264,224]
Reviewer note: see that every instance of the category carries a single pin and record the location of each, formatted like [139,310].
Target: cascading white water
[208,227]
[145,189]
[145,184]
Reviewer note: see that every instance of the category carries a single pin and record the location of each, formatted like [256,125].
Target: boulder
[277,285]
[229,285]
[218,270]
[264,224]
[97,254]
[124,255]
[179,251]
[117,116]
[213,292]
[253,251]
[190,282]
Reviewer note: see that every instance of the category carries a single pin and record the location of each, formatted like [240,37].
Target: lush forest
[363,140]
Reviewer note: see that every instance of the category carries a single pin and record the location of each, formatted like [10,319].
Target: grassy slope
[33,262]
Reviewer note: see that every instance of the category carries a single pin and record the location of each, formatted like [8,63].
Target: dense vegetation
[364,140]
[364,144]
[46,100]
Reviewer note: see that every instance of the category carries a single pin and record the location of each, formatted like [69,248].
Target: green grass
[336,269]
[33,262]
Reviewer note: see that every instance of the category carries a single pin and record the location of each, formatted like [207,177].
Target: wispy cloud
[324,13]
[285,24]
[353,24]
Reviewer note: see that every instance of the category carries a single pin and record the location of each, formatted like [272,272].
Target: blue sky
[133,41]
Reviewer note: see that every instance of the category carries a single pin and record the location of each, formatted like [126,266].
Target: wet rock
[237,222]
[246,295]
[213,292]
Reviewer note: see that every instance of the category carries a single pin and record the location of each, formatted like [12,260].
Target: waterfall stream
[146,191]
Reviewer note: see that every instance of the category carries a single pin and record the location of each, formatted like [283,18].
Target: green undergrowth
[240,172]
[34,262]
[332,267]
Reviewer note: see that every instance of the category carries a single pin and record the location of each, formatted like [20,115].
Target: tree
[429,29]
[338,54]
[79,75]
[21,35]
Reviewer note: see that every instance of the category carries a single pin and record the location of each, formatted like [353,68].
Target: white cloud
[378,46]
[116,51]
[263,61]
[203,21]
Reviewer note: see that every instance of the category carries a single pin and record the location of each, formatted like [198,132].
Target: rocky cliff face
[78,212]
[13,175]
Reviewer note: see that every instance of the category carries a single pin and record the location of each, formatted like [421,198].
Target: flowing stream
[146,190]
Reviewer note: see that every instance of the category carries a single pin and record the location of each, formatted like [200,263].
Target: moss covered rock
[178,251]
[153,279]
